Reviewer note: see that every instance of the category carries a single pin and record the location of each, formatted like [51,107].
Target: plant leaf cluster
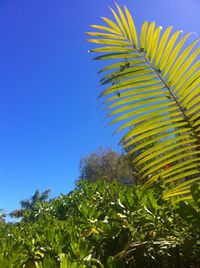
[105,225]
[152,90]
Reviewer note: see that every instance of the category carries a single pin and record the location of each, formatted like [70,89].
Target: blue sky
[49,113]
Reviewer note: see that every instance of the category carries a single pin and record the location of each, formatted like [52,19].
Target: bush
[105,225]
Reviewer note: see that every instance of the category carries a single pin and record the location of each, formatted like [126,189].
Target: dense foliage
[105,225]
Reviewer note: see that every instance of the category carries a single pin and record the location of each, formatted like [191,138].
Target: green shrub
[105,225]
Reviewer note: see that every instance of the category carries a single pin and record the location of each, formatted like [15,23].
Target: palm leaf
[152,90]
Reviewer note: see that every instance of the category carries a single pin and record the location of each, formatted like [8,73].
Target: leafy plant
[105,225]
[152,89]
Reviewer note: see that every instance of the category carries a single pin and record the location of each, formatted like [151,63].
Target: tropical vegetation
[152,92]
[27,205]
[107,225]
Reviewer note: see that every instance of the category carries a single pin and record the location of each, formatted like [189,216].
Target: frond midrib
[170,93]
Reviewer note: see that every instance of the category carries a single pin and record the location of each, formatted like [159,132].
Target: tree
[153,87]
[108,165]
[2,215]
[29,204]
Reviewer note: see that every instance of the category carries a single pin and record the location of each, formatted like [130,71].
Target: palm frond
[152,90]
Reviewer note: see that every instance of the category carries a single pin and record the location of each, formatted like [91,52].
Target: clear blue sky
[49,115]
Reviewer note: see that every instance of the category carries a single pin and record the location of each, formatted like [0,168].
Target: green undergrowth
[105,225]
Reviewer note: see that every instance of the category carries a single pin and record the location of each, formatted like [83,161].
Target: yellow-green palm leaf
[152,89]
